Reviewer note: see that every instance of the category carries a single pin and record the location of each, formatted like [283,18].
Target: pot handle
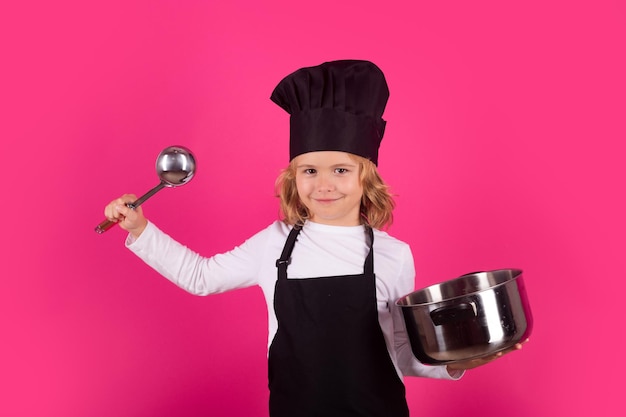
[453,314]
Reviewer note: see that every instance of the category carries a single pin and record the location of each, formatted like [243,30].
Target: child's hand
[131,220]
[474,363]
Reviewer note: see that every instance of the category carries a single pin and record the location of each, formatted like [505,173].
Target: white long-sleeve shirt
[321,250]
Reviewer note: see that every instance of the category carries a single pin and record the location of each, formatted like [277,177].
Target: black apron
[328,357]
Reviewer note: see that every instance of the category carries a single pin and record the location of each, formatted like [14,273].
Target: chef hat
[335,106]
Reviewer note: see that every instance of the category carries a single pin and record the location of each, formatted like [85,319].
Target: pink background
[504,147]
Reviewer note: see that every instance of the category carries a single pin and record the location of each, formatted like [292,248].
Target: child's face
[328,185]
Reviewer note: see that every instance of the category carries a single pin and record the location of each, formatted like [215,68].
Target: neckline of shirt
[327,228]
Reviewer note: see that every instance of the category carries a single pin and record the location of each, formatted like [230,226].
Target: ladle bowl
[175,166]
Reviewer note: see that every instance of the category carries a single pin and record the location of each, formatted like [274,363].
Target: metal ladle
[175,166]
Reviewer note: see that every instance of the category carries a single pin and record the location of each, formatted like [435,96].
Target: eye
[310,171]
[341,170]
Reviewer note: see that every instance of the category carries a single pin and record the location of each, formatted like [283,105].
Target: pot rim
[403,302]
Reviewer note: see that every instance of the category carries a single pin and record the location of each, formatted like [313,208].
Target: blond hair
[377,203]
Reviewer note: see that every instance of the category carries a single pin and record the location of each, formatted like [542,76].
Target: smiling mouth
[326,200]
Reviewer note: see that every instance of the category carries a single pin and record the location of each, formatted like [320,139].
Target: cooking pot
[470,317]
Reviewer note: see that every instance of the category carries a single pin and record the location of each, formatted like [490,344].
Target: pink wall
[504,145]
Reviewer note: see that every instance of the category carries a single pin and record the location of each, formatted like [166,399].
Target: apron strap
[285,256]
[369,261]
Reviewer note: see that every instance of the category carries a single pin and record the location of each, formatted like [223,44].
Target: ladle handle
[104,226]
[107,224]
[146,196]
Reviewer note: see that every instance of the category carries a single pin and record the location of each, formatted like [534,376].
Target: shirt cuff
[131,240]
[455,374]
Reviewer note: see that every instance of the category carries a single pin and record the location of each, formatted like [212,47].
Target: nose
[324,183]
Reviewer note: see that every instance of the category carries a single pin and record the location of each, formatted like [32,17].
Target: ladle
[175,166]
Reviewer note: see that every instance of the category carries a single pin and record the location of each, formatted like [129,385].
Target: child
[337,344]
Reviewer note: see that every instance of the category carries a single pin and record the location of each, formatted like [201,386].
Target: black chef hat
[335,106]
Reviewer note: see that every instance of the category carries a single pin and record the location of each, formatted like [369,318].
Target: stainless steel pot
[470,317]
